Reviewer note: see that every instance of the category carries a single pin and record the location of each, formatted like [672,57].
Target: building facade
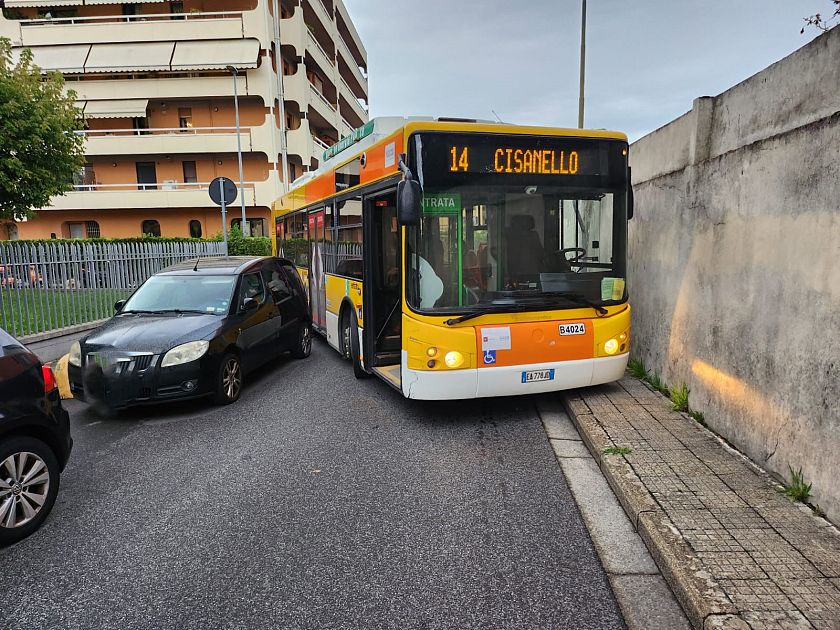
[156,83]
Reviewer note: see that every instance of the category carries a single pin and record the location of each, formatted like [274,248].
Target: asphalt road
[316,501]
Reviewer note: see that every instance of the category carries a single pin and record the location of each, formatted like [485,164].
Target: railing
[351,56]
[47,286]
[322,97]
[314,40]
[159,131]
[352,92]
[135,186]
[150,17]
[320,143]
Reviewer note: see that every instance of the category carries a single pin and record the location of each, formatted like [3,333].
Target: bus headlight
[75,356]
[185,353]
[453,359]
[611,346]
[431,351]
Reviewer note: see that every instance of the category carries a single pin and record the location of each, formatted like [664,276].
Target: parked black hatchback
[35,440]
[194,329]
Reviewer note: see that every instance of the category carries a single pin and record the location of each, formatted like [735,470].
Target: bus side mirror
[631,204]
[409,202]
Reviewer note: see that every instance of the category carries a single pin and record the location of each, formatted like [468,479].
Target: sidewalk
[736,551]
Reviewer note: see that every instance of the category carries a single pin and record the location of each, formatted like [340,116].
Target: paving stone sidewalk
[736,551]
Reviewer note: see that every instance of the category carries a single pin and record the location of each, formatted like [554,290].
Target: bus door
[382,286]
[317,280]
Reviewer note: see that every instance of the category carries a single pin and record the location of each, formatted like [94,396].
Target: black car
[35,440]
[194,330]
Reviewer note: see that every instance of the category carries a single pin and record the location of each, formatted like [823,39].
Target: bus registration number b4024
[573,329]
[534,376]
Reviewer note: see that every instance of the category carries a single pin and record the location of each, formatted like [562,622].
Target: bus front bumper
[508,381]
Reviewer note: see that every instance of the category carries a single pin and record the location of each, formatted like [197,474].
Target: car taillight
[49,379]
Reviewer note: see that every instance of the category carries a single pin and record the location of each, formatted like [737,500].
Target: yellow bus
[461,259]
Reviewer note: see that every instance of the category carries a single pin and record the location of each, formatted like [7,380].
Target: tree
[39,149]
[824,23]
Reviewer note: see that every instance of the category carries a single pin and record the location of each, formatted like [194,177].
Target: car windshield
[193,293]
[517,246]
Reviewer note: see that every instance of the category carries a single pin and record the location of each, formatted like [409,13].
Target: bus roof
[382,139]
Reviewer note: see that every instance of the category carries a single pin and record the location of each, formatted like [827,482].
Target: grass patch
[679,398]
[698,416]
[797,489]
[659,385]
[29,311]
[637,369]
[617,450]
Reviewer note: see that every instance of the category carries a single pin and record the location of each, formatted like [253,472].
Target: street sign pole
[224,214]
[246,231]
[582,62]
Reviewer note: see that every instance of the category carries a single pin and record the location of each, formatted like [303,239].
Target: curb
[703,602]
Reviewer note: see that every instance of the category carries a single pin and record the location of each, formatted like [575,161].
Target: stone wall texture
[734,270]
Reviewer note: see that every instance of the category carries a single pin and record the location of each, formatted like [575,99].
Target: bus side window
[348,246]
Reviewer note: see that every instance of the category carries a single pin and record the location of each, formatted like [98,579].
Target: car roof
[218,265]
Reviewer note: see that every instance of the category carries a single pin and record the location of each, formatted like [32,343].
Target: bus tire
[355,350]
[344,339]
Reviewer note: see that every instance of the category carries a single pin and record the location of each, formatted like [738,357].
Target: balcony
[166,141]
[320,55]
[351,63]
[342,14]
[354,108]
[322,106]
[321,11]
[163,88]
[293,32]
[134,28]
[300,141]
[164,195]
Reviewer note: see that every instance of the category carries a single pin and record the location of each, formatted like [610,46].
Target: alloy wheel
[346,334]
[24,485]
[232,378]
[306,340]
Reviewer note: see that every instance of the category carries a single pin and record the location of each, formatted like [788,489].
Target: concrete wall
[734,264]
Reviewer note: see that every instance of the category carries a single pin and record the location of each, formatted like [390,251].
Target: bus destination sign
[511,159]
[506,159]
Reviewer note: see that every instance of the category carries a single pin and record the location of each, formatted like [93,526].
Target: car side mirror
[249,304]
[118,305]
[409,202]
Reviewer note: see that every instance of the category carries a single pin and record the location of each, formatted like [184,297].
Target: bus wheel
[355,350]
[344,342]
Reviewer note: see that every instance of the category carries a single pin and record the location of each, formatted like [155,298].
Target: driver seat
[525,254]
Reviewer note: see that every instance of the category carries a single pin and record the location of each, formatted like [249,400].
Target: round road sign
[220,188]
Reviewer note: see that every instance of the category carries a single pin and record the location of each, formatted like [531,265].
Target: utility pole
[582,62]
[246,231]
[278,59]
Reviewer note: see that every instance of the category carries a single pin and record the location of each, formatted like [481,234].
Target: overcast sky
[646,59]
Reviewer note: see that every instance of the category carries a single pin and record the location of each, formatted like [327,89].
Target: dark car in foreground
[35,440]
[194,329]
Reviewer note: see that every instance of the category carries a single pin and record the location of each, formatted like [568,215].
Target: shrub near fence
[46,285]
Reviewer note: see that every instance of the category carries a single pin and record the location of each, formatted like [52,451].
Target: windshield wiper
[163,311]
[486,311]
[576,298]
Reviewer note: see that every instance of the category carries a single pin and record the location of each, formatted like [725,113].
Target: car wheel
[230,380]
[355,350]
[303,347]
[28,487]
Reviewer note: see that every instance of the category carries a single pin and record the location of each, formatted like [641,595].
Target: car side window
[293,280]
[252,287]
[276,282]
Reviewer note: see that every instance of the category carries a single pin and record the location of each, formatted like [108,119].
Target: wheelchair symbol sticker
[489,357]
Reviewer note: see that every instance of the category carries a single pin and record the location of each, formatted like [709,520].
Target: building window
[195,228]
[92,229]
[146,176]
[185,117]
[256,226]
[176,8]
[190,173]
[76,230]
[129,9]
[150,227]
[140,125]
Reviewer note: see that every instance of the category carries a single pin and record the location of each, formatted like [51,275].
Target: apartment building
[156,81]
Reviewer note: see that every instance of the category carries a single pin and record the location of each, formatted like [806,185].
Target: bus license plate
[534,376]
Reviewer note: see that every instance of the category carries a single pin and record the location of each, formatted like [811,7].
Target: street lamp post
[245,228]
[582,62]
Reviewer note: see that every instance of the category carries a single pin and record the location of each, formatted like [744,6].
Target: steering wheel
[579,251]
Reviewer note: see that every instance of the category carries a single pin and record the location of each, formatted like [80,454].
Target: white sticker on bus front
[390,154]
[495,338]
[573,329]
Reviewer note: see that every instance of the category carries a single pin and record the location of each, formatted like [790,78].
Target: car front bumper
[123,383]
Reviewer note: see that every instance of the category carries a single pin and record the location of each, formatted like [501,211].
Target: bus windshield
[503,246]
